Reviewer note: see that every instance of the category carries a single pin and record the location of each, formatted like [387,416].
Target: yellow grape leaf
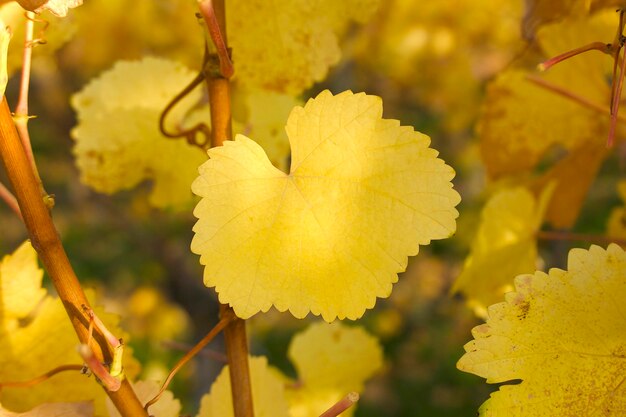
[59,32]
[56,409]
[268,392]
[331,360]
[504,246]
[167,406]
[419,47]
[540,12]
[286,46]
[58,7]
[572,176]
[20,285]
[522,121]
[42,340]
[112,30]
[562,335]
[5,37]
[118,144]
[616,225]
[265,121]
[329,237]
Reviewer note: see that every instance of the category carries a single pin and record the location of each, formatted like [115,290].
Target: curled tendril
[191,134]
[40,39]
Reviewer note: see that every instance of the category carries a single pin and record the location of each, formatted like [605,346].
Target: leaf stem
[616,100]
[342,405]
[606,48]
[45,239]
[195,350]
[10,200]
[570,95]
[217,31]
[21,109]
[42,378]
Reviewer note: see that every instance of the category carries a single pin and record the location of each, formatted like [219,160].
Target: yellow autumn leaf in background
[540,12]
[54,409]
[268,392]
[504,247]
[286,46]
[616,225]
[329,237]
[331,360]
[37,336]
[562,335]
[118,143]
[524,125]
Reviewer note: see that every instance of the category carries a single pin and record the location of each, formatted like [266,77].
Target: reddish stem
[41,378]
[342,405]
[10,200]
[569,95]
[196,349]
[219,39]
[593,46]
[616,101]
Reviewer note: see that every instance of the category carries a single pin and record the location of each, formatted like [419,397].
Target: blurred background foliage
[429,61]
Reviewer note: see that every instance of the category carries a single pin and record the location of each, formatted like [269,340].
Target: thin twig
[207,353]
[192,133]
[8,197]
[341,405]
[21,109]
[41,378]
[572,96]
[224,321]
[616,101]
[606,48]
[218,36]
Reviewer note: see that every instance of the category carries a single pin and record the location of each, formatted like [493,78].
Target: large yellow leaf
[504,246]
[286,46]
[562,335]
[329,237]
[42,340]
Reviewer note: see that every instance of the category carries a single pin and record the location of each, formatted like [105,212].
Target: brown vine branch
[218,86]
[218,35]
[42,378]
[45,239]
